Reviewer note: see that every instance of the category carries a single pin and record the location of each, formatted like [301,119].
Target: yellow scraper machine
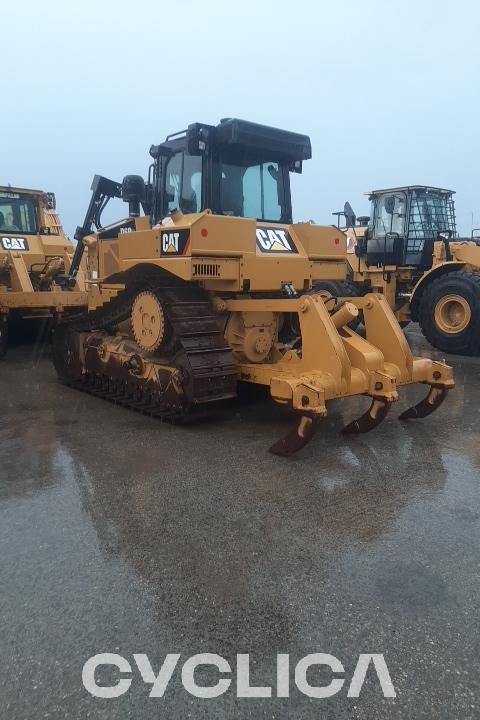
[212,286]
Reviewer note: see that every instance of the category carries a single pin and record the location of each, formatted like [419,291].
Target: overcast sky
[389,92]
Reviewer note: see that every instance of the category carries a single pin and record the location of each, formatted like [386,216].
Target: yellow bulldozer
[212,286]
[409,251]
[34,253]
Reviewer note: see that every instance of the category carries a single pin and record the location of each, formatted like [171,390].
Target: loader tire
[449,314]
[339,288]
[3,336]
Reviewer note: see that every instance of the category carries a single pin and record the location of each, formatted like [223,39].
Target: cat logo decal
[174,242]
[274,240]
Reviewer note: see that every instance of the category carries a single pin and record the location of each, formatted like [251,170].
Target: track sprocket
[149,324]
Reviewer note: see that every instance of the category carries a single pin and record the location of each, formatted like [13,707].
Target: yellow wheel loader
[212,286]
[34,253]
[408,251]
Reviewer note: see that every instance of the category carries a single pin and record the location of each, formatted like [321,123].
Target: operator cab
[18,213]
[404,224]
[236,168]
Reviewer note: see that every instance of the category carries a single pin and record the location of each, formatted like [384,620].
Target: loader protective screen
[17,214]
[429,215]
[252,191]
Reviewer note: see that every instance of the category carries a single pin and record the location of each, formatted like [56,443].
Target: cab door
[386,241]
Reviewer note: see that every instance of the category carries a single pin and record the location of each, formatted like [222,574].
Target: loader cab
[237,168]
[404,224]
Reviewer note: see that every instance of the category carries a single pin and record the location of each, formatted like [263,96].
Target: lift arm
[103,190]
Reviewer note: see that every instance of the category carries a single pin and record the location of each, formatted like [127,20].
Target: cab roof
[407,188]
[20,191]
[263,139]
[243,137]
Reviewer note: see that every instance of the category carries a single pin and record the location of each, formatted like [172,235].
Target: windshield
[430,214]
[253,191]
[390,214]
[17,213]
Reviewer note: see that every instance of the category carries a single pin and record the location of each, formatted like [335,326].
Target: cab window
[386,222]
[429,215]
[183,183]
[253,191]
[17,214]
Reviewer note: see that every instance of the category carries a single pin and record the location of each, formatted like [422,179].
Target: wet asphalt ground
[121,534]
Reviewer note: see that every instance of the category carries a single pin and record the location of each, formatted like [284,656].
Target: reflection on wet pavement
[122,534]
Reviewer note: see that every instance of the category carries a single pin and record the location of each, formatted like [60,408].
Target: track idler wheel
[296,439]
[376,413]
[427,406]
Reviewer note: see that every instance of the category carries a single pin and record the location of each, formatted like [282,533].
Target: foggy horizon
[388,95]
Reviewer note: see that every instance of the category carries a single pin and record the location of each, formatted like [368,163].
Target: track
[181,382]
